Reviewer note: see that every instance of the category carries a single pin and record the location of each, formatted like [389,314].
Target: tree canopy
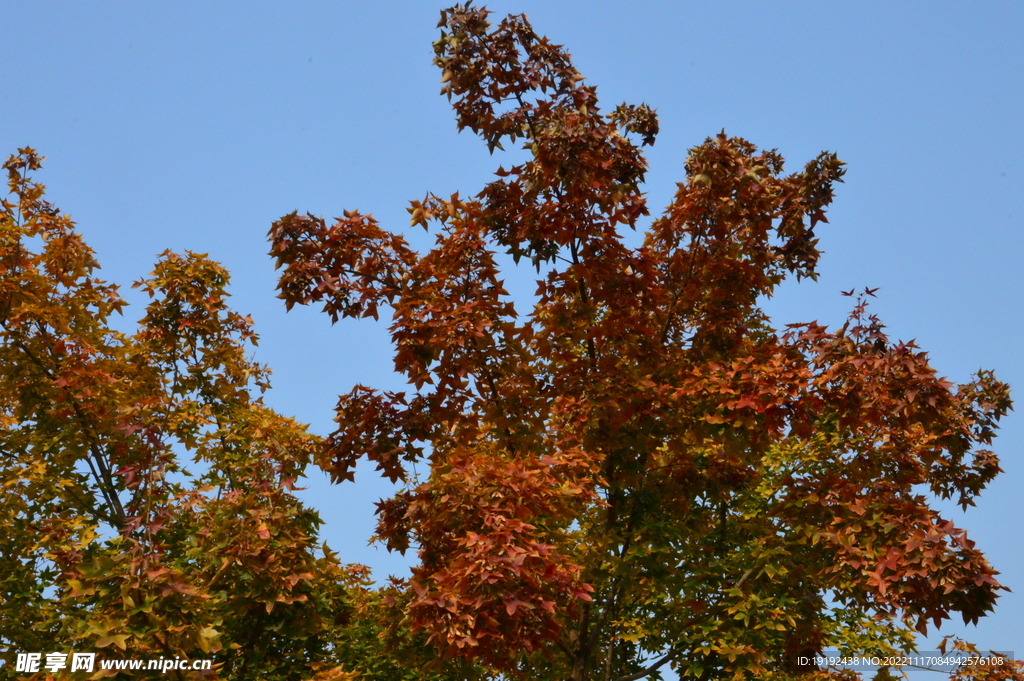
[634,471]
[640,471]
[109,544]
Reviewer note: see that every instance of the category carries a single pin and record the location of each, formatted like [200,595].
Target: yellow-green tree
[108,543]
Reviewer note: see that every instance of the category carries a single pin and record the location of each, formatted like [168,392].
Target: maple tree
[641,473]
[108,543]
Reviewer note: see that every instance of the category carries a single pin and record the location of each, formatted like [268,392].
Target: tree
[642,472]
[990,666]
[108,543]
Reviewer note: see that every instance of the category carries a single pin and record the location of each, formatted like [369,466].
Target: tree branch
[673,653]
[653,668]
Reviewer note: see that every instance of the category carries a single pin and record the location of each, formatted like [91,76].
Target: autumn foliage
[636,469]
[147,497]
[632,471]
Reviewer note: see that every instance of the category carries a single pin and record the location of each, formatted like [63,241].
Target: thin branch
[679,291]
[653,668]
[104,480]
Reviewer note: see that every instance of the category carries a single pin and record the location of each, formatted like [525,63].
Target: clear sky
[193,125]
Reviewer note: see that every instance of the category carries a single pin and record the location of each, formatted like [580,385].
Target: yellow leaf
[116,639]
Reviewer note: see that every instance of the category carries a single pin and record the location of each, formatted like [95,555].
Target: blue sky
[193,125]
